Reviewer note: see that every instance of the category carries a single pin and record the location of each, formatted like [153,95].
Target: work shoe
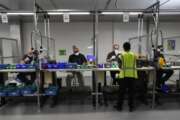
[118,108]
[131,109]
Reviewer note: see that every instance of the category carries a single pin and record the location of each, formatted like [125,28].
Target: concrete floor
[76,111]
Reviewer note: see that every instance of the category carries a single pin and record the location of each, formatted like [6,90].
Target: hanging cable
[116,4]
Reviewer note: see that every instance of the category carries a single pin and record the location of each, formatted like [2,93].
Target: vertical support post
[38,76]
[113,40]
[139,34]
[156,8]
[95,31]
[148,43]
[35,22]
[49,36]
[95,53]
[1,51]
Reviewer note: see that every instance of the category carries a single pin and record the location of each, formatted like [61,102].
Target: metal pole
[49,37]
[139,29]
[37,72]
[156,45]
[113,41]
[1,50]
[148,45]
[35,22]
[162,40]
[141,34]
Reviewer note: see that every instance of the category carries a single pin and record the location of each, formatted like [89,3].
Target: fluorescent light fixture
[90,47]
[135,13]
[79,13]
[55,13]
[169,13]
[20,13]
[120,13]
[112,13]
[71,13]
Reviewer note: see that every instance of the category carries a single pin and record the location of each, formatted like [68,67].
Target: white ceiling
[87,4]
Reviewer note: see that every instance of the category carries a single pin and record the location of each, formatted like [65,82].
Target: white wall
[10,48]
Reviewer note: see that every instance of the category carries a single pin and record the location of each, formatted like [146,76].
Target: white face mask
[116,52]
[77,53]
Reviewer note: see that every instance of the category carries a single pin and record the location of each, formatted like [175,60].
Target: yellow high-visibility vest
[162,62]
[128,65]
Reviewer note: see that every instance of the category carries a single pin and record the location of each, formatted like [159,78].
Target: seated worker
[79,59]
[28,58]
[113,56]
[162,74]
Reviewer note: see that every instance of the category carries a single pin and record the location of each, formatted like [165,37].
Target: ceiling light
[55,13]
[79,13]
[169,13]
[19,13]
[112,13]
[71,13]
[135,13]
[120,13]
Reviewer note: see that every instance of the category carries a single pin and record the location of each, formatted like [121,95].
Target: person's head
[127,46]
[30,52]
[35,53]
[75,49]
[115,47]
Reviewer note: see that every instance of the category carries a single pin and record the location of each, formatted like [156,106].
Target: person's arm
[108,59]
[84,60]
[25,59]
[119,60]
[70,60]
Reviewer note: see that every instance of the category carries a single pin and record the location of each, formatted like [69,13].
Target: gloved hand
[113,57]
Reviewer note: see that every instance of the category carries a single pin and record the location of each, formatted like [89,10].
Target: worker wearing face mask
[113,57]
[29,58]
[79,59]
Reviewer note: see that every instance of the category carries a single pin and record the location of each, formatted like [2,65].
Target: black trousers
[113,76]
[126,85]
[163,76]
[23,78]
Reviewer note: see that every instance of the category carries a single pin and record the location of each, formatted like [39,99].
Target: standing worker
[79,59]
[127,77]
[113,57]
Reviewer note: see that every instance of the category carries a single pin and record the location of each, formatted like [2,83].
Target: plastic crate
[71,66]
[51,91]
[62,65]
[28,90]
[55,66]
[15,92]
[2,92]
[100,65]
[22,66]
[50,66]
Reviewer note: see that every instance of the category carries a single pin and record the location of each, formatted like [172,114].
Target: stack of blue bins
[51,90]
[2,66]
[3,93]
[71,66]
[25,66]
[28,90]
[12,91]
[62,65]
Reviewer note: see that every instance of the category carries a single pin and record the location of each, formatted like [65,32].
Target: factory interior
[90,59]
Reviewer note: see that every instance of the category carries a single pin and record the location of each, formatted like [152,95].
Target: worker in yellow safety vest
[127,77]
